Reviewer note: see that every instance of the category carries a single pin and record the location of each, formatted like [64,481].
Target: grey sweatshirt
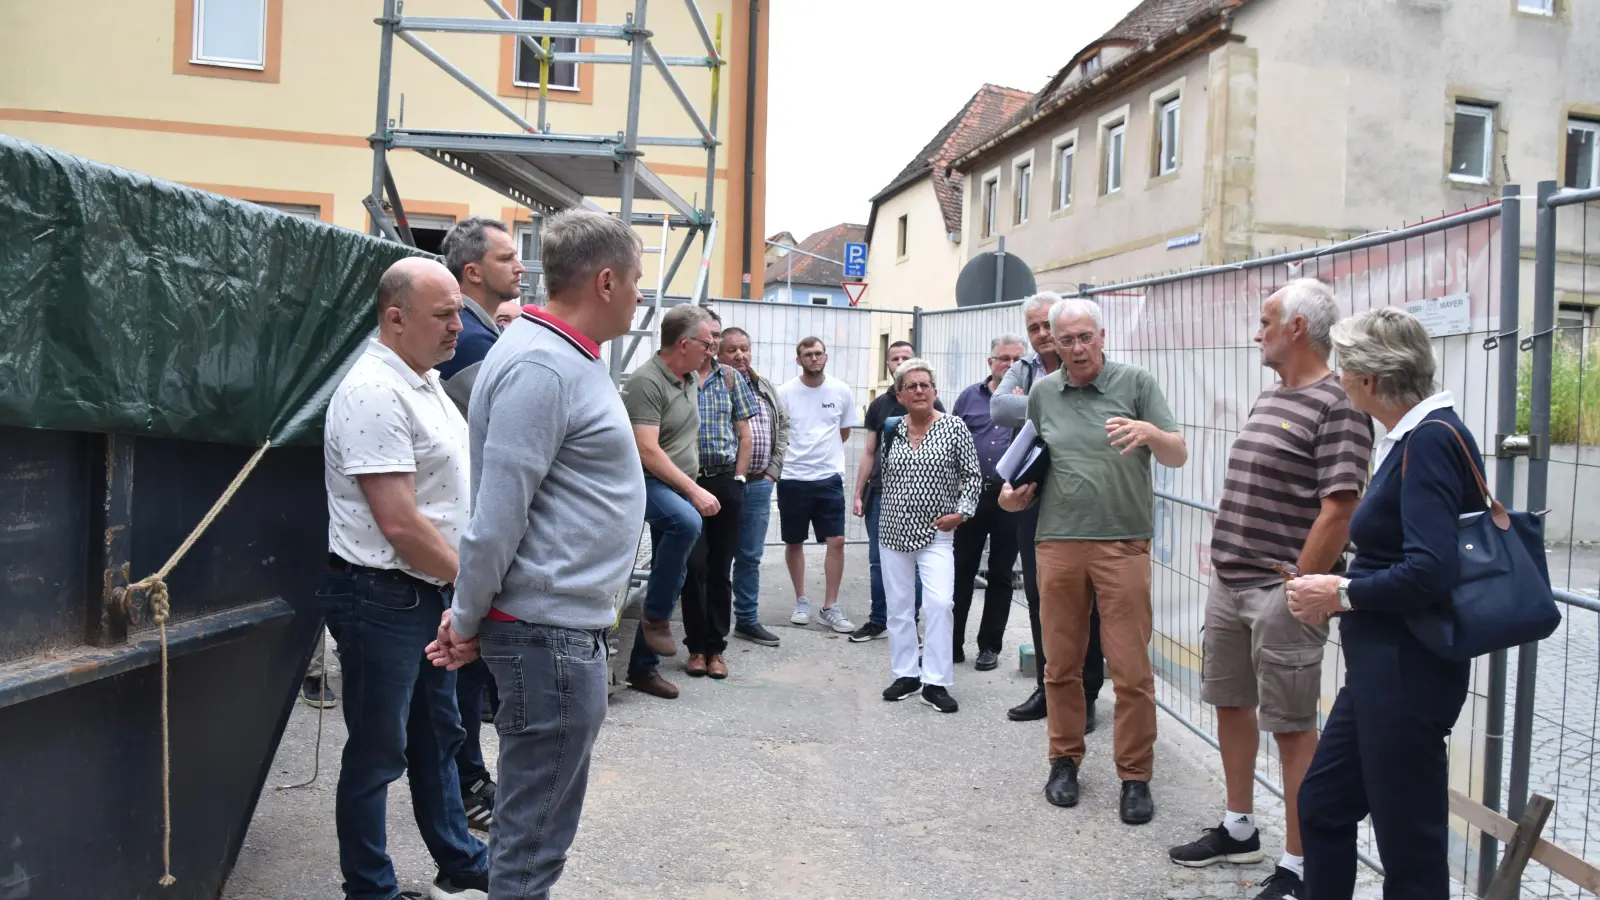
[558,489]
[1010,410]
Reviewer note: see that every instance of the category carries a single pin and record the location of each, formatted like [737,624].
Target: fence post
[916,330]
[1505,485]
[1542,343]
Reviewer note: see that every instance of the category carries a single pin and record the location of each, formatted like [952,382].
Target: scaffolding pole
[380,164]
[630,141]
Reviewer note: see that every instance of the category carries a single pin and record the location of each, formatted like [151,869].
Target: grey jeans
[552,684]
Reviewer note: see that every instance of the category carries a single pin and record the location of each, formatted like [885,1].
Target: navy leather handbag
[1502,598]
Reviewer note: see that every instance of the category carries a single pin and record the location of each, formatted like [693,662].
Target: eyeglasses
[1086,339]
[1289,571]
[710,347]
[1005,359]
[917,386]
[815,354]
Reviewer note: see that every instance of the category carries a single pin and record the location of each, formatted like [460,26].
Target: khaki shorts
[1258,655]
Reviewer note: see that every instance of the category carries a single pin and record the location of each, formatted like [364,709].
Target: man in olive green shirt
[1102,422]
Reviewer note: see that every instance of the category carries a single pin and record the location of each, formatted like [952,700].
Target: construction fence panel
[956,342]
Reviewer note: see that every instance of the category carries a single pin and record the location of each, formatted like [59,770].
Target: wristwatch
[1344,595]
[739,478]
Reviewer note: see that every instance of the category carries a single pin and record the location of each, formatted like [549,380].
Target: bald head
[406,276]
[419,312]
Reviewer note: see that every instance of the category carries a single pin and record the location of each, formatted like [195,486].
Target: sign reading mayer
[1450,314]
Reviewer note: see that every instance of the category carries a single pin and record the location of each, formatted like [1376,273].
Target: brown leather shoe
[696,667]
[716,666]
[658,637]
[653,684]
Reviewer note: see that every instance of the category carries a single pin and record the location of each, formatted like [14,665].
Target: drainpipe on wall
[749,149]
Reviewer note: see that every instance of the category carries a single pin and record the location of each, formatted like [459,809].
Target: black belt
[714,471]
[337,563]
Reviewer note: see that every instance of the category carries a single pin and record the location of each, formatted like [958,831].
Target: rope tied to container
[160,610]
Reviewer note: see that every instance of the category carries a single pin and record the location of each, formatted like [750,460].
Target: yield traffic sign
[854,290]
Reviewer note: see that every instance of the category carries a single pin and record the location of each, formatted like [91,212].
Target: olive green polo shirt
[655,396]
[1093,492]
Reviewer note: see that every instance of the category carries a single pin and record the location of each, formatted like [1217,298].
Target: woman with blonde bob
[1383,750]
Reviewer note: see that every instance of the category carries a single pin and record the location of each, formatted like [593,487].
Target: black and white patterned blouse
[923,483]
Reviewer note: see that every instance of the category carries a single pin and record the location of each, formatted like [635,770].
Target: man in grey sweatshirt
[556,478]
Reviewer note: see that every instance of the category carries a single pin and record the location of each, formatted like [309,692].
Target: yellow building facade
[272,101]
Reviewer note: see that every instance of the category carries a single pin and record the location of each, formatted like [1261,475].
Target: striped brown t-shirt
[1298,447]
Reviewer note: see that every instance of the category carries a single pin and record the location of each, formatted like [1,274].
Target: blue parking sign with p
[855,260]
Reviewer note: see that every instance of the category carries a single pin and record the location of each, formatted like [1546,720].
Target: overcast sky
[856,87]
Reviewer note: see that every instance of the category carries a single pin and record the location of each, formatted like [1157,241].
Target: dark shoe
[756,634]
[939,698]
[1138,807]
[868,632]
[478,798]
[1215,845]
[716,666]
[696,666]
[653,684]
[958,655]
[988,660]
[1088,718]
[1280,884]
[317,693]
[1029,710]
[902,688]
[658,637]
[460,887]
[1062,788]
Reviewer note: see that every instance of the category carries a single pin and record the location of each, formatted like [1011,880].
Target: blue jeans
[674,528]
[400,712]
[752,543]
[880,604]
[473,684]
[553,699]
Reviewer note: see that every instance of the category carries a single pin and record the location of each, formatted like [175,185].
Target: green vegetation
[1574,394]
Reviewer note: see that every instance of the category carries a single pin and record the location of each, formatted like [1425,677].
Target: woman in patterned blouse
[931,484]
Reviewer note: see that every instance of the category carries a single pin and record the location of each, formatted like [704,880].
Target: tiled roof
[983,116]
[1150,22]
[807,270]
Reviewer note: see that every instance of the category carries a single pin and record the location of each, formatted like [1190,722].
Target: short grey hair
[1041,300]
[577,243]
[1390,346]
[1006,340]
[1312,300]
[913,364]
[681,322]
[468,242]
[1076,306]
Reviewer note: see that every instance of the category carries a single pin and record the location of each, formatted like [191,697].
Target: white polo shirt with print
[384,417]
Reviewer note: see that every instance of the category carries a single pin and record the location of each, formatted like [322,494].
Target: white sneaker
[834,617]
[802,612]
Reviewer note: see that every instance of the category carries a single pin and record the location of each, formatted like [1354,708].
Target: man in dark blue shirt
[992,525]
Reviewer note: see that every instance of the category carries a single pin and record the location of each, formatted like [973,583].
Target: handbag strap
[1497,512]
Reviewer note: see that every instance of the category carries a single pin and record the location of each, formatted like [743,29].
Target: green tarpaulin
[138,306]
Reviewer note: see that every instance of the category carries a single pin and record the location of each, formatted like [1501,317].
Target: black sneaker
[868,632]
[755,634]
[1216,845]
[478,798]
[460,887]
[317,693]
[902,688]
[988,661]
[1062,788]
[1280,884]
[1031,709]
[939,698]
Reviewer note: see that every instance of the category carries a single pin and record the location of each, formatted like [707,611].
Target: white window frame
[1593,127]
[1537,7]
[1115,135]
[577,72]
[989,205]
[198,57]
[522,235]
[1022,195]
[1173,104]
[1486,112]
[1063,144]
[826,299]
[902,236]
[303,210]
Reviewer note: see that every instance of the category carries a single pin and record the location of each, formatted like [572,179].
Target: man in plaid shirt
[726,407]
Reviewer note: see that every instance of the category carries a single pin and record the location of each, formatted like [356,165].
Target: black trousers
[707,596]
[1094,663]
[1383,753]
[997,528]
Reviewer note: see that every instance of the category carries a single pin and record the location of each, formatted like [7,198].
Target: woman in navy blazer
[1383,750]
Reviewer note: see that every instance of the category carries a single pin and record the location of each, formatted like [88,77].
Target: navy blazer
[1406,528]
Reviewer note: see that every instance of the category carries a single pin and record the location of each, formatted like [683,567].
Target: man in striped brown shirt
[1294,478]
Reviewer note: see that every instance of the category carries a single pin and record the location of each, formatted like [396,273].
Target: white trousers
[935,565]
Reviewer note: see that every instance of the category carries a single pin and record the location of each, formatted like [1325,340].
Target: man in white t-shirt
[395,454]
[822,410]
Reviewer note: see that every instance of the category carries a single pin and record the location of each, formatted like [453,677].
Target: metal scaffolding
[546,171]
